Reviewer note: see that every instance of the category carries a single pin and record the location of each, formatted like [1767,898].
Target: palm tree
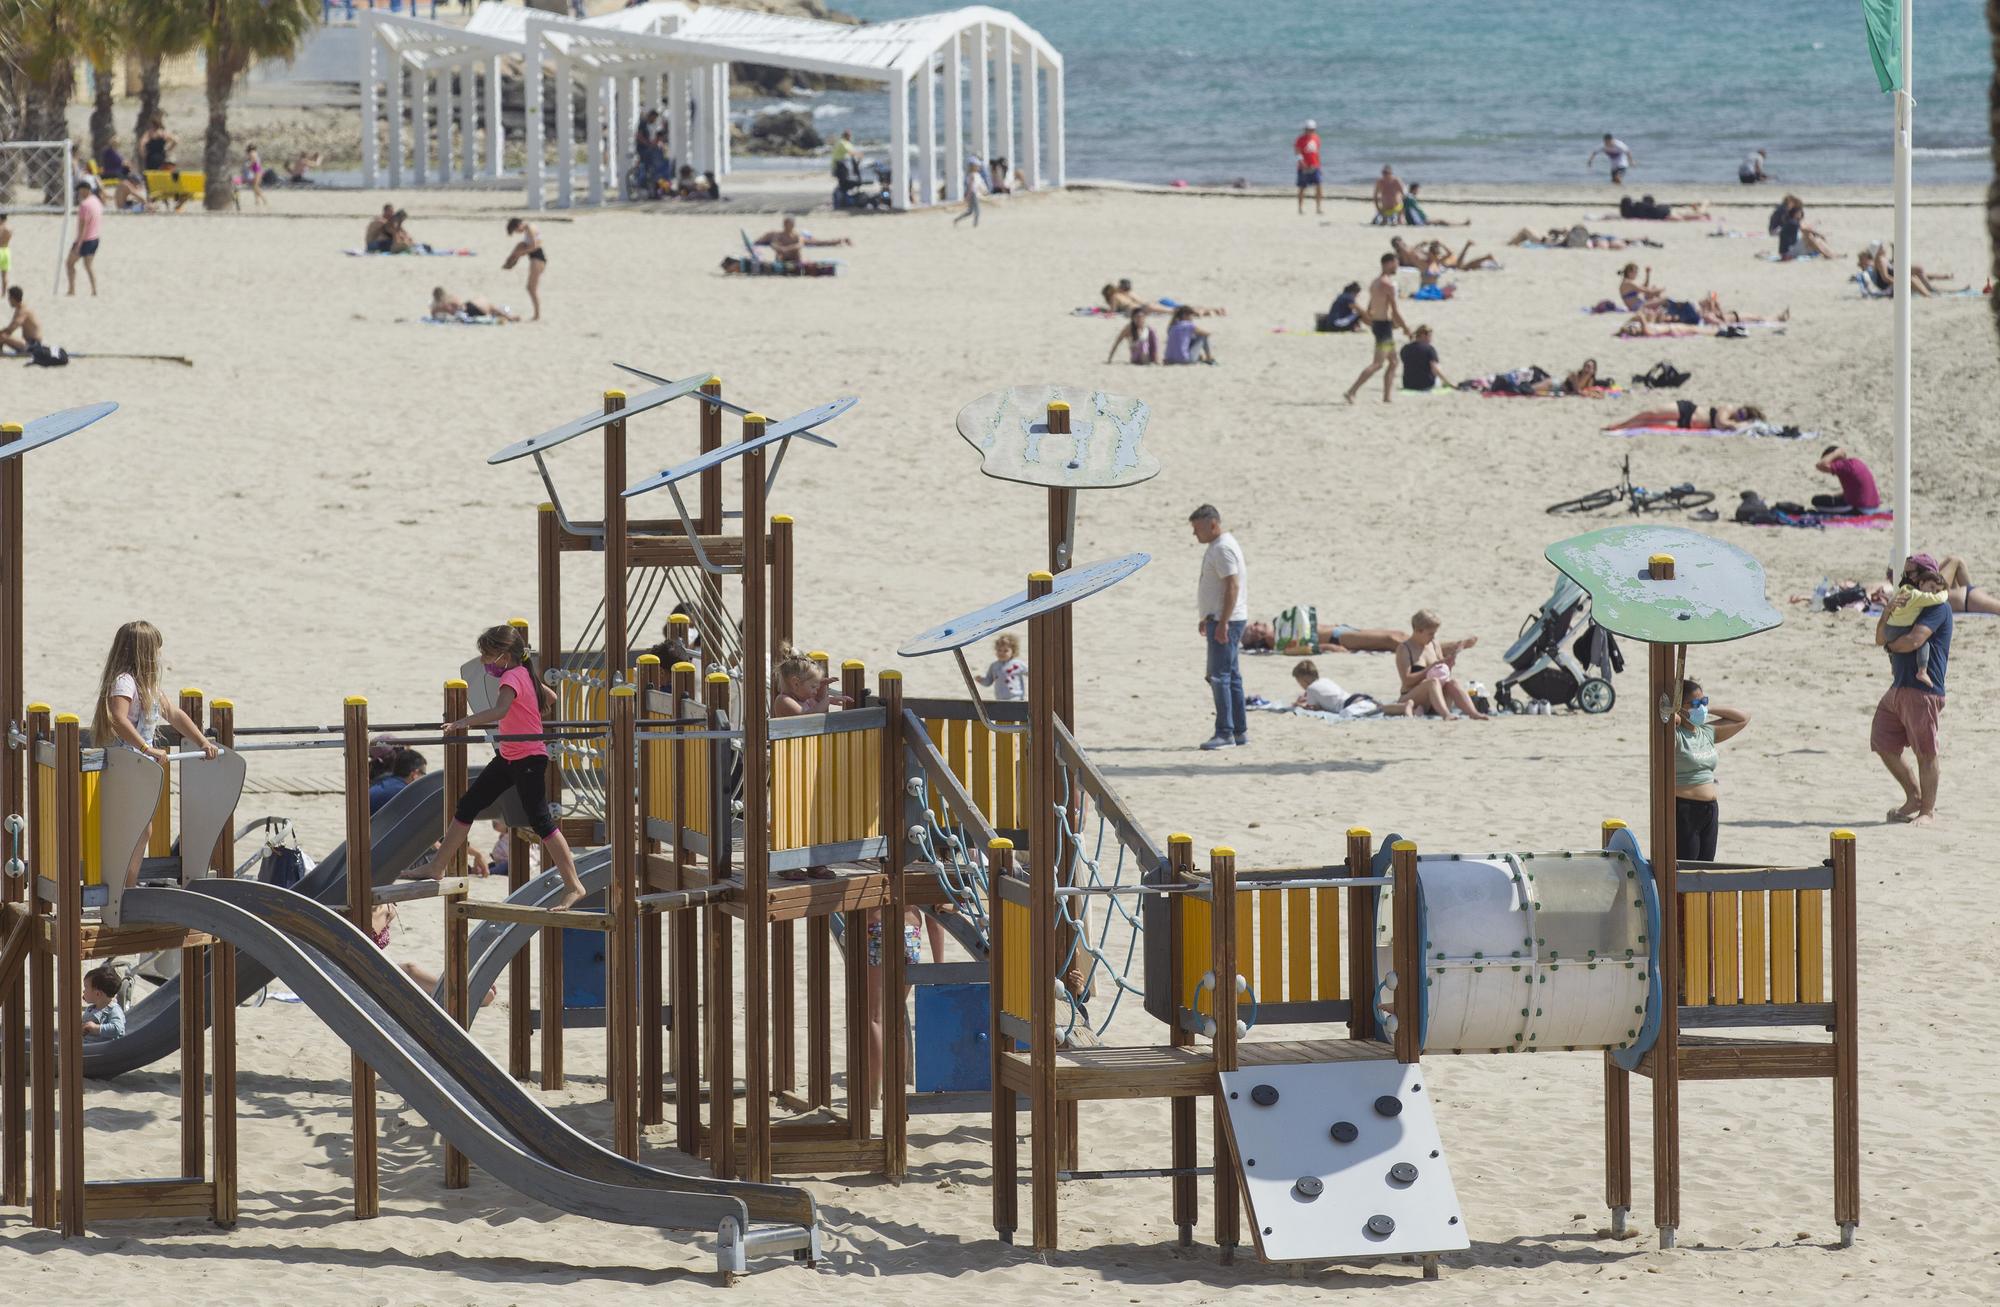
[235,34]
[100,39]
[46,40]
[155,32]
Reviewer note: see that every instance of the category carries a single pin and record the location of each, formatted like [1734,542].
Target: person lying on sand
[1877,262]
[1465,260]
[1121,298]
[445,308]
[1690,416]
[1425,669]
[1578,237]
[790,244]
[23,330]
[1332,638]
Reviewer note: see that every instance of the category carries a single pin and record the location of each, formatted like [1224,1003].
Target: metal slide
[422,1054]
[403,828]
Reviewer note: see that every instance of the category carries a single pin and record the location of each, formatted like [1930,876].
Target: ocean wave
[1948,151]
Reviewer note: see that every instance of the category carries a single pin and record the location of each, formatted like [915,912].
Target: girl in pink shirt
[522,763]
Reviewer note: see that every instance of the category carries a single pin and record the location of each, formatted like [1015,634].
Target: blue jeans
[1226,679]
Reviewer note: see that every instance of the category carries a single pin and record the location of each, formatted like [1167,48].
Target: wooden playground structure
[736,854]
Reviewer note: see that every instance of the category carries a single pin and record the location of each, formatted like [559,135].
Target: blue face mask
[493,669]
[1698,712]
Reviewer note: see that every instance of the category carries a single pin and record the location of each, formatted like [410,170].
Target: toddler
[1928,591]
[103,1018]
[1316,691]
[1008,675]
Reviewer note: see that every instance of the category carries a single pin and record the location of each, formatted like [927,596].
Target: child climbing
[520,763]
[130,707]
[1008,675]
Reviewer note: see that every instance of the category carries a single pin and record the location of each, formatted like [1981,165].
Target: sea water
[1489,90]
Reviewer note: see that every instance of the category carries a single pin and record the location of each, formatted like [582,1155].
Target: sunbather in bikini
[1881,270]
[1333,638]
[1122,299]
[446,308]
[1465,260]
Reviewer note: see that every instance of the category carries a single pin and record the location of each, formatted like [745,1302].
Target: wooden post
[784,1014]
[549,938]
[69,970]
[621,1001]
[720,982]
[895,858]
[457,1170]
[1360,942]
[1044,939]
[1006,1128]
[1407,953]
[548,639]
[14,767]
[687,946]
[41,1003]
[652,981]
[194,1007]
[1617,1114]
[708,518]
[617,543]
[860,1071]
[360,908]
[1060,672]
[1846,1042]
[755,715]
[1222,950]
[1187,1186]
[222,1005]
[1663,693]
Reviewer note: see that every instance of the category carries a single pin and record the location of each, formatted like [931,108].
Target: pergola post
[370,108]
[618,110]
[531,117]
[1058,122]
[954,118]
[719,119]
[565,135]
[899,142]
[395,142]
[927,130]
[420,125]
[496,134]
[678,142]
[468,119]
[1004,120]
[1031,116]
[982,140]
[593,138]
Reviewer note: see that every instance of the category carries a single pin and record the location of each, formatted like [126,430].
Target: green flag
[1885,41]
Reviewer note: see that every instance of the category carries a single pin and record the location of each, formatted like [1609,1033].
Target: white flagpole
[1905,259]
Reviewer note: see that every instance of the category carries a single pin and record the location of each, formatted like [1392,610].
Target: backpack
[1664,376]
[283,865]
[48,356]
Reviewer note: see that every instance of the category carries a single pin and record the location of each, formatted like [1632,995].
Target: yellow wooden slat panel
[1812,946]
[1006,781]
[1014,963]
[1328,957]
[781,794]
[1270,969]
[934,727]
[1298,945]
[1724,948]
[1784,946]
[1756,975]
[1246,939]
[1694,950]
[1196,948]
[870,797]
[981,784]
[958,750]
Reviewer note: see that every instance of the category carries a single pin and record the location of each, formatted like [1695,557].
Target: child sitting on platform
[103,1018]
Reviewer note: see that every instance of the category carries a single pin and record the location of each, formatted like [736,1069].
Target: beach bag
[48,356]
[1753,510]
[284,864]
[1664,376]
[1297,626]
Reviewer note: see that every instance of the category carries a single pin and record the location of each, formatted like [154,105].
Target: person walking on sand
[89,228]
[1617,154]
[1907,717]
[529,247]
[975,181]
[1222,597]
[1305,151]
[1384,318]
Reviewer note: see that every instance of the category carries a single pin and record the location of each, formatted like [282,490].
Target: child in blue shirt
[103,1018]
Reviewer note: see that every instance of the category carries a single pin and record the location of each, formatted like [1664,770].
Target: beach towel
[1661,423]
[1771,256]
[465,320]
[1095,311]
[420,250]
[1725,233]
[1864,521]
[1359,707]
[1444,292]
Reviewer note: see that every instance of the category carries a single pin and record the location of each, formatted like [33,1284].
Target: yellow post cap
[545,507]
[853,665]
[713,380]
[1612,823]
[11,428]
[456,684]
[682,618]
[684,667]
[66,719]
[718,678]
[1041,576]
[356,701]
[1359,833]
[649,660]
[187,690]
[1222,851]
[1843,835]
[223,703]
[1661,558]
[820,654]
[1403,846]
[614,394]
[38,707]
[1178,838]
[786,518]
[1000,842]
[758,418]
[521,622]
[623,691]
[892,675]
[1058,406]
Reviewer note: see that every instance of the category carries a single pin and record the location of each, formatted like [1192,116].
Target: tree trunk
[149,101]
[1993,190]
[104,81]
[48,120]
[221,191]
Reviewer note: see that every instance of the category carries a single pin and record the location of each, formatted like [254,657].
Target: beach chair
[176,186]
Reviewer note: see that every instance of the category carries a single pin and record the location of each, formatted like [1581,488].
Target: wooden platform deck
[1162,1072]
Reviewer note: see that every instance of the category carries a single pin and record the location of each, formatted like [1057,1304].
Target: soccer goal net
[35,177]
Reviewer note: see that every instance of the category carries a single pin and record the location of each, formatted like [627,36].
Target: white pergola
[983,83]
[402,56]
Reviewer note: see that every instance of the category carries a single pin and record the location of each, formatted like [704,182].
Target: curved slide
[402,829]
[423,1055]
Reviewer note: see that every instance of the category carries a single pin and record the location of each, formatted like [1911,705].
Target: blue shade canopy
[1077,583]
[1103,449]
[1716,594]
[589,422]
[48,430]
[799,424]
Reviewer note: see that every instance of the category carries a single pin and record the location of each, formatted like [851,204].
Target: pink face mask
[493,669]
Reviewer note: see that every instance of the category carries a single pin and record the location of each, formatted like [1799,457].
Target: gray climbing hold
[1403,1173]
[1388,1105]
[1345,1132]
[1309,1187]
[1381,1226]
[1264,1095]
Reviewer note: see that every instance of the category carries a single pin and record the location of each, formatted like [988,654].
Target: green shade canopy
[1103,450]
[1717,592]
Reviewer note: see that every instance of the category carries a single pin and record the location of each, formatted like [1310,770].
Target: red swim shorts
[1907,718]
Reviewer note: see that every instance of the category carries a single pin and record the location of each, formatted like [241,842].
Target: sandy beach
[306,513]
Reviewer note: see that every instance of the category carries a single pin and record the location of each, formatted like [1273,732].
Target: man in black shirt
[1420,363]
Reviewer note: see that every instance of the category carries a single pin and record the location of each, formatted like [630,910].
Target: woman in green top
[1698,729]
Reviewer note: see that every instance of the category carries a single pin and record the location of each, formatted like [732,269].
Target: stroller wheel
[1595,695]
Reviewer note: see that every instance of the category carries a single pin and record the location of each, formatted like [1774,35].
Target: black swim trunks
[1385,334]
[537,255]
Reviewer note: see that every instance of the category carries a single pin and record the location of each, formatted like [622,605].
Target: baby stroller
[1545,664]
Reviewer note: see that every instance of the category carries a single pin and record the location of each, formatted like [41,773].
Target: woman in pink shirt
[522,763]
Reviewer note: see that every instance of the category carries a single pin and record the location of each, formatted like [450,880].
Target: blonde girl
[1008,675]
[130,708]
[800,690]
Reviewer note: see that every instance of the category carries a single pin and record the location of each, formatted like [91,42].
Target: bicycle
[1641,500]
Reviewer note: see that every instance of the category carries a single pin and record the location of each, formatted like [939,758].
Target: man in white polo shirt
[1223,599]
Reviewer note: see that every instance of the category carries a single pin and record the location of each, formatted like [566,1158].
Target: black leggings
[1698,822]
[527,777]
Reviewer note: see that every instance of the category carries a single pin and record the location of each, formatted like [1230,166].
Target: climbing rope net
[1102,948]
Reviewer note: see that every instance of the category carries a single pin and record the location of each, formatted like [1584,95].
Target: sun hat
[1925,561]
[1311,126]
